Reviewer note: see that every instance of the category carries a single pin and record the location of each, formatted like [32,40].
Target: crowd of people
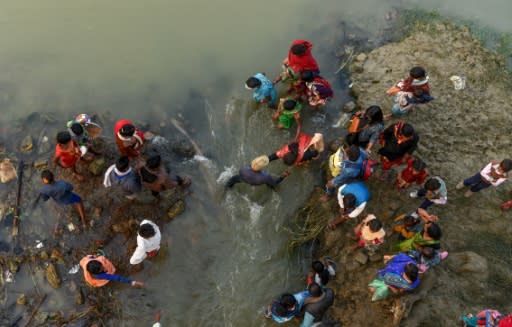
[418,233]
[131,173]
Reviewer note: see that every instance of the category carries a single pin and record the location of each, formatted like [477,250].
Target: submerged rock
[52,276]
[7,171]
[97,167]
[183,148]
[176,209]
[469,263]
[21,300]
[349,106]
[27,144]
[361,258]
[41,163]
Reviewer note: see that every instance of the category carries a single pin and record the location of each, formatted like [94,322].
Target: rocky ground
[460,131]
[63,295]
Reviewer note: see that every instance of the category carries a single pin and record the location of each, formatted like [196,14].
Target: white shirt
[146,245]
[357,211]
[486,174]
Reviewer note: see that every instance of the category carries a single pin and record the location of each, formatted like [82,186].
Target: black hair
[288,300]
[353,152]
[352,138]
[315,290]
[307,76]
[434,231]
[279,310]
[63,137]
[374,114]
[418,164]
[289,104]
[417,72]
[411,271]
[506,165]
[299,49]
[253,82]
[48,175]
[127,130]
[290,157]
[349,201]
[324,277]
[77,129]
[122,163]
[375,225]
[432,184]
[154,161]
[428,252]
[317,266]
[94,267]
[147,176]
[407,130]
[146,230]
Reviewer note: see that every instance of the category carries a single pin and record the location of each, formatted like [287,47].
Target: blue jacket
[265,90]
[350,170]
[359,190]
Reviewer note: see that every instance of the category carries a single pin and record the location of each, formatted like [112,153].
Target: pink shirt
[486,174]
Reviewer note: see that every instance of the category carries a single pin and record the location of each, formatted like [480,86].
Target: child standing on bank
[61,193]
[287,113]
[434,192]
[415,172]
[493,174]
[67,153]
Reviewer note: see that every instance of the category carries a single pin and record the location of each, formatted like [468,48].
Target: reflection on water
[154,59]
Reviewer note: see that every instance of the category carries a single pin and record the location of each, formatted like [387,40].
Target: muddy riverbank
[40,278]
[460,131]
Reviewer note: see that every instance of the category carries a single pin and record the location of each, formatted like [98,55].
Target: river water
[155,59]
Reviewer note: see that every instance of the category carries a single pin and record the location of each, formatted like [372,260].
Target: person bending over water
[255,175]
[303,149]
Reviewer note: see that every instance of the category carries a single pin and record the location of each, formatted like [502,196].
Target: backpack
[367,168]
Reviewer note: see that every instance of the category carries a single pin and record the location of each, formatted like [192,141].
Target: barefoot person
[288,112]
[399,276]
[352,199]
[263,89]
[434,191]
[61,193]
[154,176]
[148,242]
[303,149]
[255,175]
[318,90]
[316,305]
[123,177]
[129,139]
[365,129]
[346,166]
[99,271]
[67,153]
[398,143]
[493,174]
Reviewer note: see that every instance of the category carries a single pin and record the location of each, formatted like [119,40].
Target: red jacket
[304,62]
[410,177]
[131,150]
[67,158]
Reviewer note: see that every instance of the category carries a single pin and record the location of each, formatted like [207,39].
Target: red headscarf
[303,62]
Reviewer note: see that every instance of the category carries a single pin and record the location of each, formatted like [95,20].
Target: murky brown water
[155,59]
